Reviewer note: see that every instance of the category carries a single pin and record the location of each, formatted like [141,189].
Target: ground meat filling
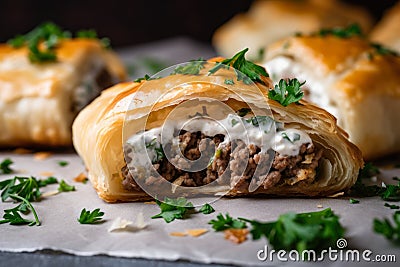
[226,165]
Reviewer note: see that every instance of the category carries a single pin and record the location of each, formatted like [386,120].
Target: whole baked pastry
[133,139]
[42,90]
[355,80]
[270,20]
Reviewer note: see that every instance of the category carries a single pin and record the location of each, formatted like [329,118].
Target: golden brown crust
[362,83]
[36,99]
[270,20]
[387,30]
[98,134]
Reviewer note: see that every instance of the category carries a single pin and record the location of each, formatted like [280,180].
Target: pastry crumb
[42,155]
[236,235]
[319,206]
[179,234]
[196,232]
[81,178]
[50,193]
[336,195]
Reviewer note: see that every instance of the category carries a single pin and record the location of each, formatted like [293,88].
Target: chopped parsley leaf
[222,223]
[5,166]
[287,92]
[90,217]
[206,209]
[172,209]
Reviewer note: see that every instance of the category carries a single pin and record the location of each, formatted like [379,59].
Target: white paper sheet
[61,231]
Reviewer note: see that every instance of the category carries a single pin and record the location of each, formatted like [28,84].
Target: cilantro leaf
[287,92]
[206,209]
[5,166]
[387,229]
[172,209]
[312,230]
[244,69]
[192,68]
[222,223]
[64,187]
[88,217]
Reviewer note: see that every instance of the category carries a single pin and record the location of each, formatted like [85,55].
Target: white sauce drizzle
[263,132]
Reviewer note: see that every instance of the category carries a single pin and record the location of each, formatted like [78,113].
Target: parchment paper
[61,231]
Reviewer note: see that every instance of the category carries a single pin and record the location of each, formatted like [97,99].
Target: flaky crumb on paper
[150,202]
[42,155]
[190,232]
[80,178]
[339,194]
[120,224]
[236,235]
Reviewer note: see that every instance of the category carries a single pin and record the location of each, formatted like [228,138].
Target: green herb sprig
[64,187]
[192,68]
[222,223]
[48,34]
[312,230]
[90,217]
[342,32]
[387,229]
[245,70]
[172,209]
[287,92]
[5,166]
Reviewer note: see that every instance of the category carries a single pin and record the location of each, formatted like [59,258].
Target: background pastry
[304,138]
[387,31]
[270,20]
[353,79]
[44,83]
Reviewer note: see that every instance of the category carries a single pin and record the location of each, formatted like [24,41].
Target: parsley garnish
[64,187]
[145,78]
[382,50]
[49,180]
[392,207]
[243,112]
[385,227]
[244,69]
[88,217]
[229,81]
[5,166]
[25,187]
[63,163]
[222,223]
[347,32]
[312,230]
[369,170]
[172,209]
[192,68]
[354,201]
[92,34]
[158,149]
[48,34]
[391,192]
[206,209]
[234,122]
[13,216]
[296,137]
[287,92]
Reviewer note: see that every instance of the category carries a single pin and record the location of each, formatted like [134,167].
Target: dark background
[134,22]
